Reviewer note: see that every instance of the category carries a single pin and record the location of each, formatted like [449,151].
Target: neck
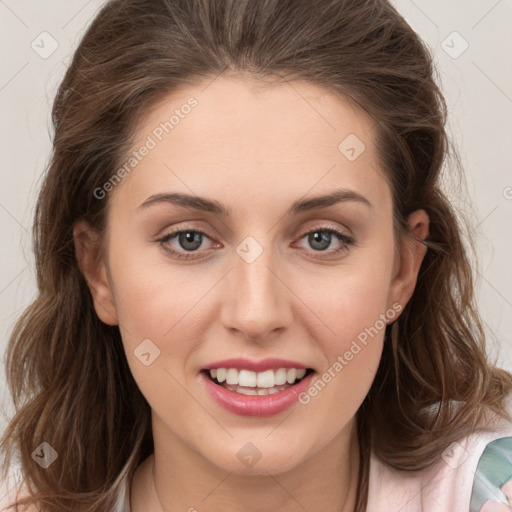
[179,479]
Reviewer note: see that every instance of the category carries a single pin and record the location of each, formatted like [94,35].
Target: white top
[445,487]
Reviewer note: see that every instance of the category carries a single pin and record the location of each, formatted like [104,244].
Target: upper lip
[255,366]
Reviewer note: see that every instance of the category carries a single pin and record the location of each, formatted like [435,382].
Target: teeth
[263,380]
[232,376]
[247,378]
[245,391]
[280,376]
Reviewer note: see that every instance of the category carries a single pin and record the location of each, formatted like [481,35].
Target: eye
[188,240]
[321,238]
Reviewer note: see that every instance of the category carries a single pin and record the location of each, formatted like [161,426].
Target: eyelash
[342,237]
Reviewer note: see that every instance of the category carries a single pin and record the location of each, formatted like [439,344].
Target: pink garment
[445,487]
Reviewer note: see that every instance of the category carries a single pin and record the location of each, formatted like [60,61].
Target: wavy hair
[67,372]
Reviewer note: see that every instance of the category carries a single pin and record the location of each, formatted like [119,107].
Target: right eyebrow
[188,201]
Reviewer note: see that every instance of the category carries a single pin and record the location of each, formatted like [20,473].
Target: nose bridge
[257,301]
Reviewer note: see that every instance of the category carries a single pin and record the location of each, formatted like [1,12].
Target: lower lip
[256,405]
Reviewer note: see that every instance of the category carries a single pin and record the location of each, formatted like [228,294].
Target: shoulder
[12,488]
[453,484]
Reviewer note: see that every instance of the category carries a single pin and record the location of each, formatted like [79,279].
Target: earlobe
[408,266]
[93,267]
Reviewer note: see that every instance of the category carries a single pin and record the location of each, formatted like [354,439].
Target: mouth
[248,382]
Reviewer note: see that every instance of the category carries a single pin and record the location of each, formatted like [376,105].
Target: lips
[267,401]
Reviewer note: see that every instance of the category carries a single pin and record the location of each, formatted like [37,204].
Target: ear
[93,267]
[406,268]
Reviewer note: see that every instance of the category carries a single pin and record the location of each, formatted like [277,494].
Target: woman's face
[263,278]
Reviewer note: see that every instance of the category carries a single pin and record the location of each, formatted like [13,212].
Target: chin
[259,458]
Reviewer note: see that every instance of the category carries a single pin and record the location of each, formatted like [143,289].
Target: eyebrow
[212,206]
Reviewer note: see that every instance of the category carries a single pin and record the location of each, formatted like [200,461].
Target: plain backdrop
[472,46]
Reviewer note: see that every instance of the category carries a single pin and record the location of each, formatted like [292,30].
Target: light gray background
[477,85]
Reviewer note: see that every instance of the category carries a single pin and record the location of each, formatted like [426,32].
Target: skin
[256,150]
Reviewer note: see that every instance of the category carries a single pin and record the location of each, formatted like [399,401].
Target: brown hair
[67,371]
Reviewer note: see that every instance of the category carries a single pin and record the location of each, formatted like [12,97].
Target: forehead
[234,134]
[246,113]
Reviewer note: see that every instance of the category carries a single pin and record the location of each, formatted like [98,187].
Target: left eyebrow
[212,206]
[338,196]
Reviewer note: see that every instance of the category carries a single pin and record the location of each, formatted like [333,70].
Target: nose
[257,303]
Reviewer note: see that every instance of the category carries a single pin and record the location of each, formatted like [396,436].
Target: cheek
[349,320]
[154,305]
[149,295]
[161,302]
[356,322]
[352,310]
[352,299]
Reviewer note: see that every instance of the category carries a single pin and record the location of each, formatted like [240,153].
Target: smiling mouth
[246,382]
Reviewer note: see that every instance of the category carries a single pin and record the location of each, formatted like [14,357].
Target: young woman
[253,293]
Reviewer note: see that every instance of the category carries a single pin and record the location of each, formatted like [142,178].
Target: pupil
[323,237]
[190,237]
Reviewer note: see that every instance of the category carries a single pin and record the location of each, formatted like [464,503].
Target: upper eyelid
[323,224]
